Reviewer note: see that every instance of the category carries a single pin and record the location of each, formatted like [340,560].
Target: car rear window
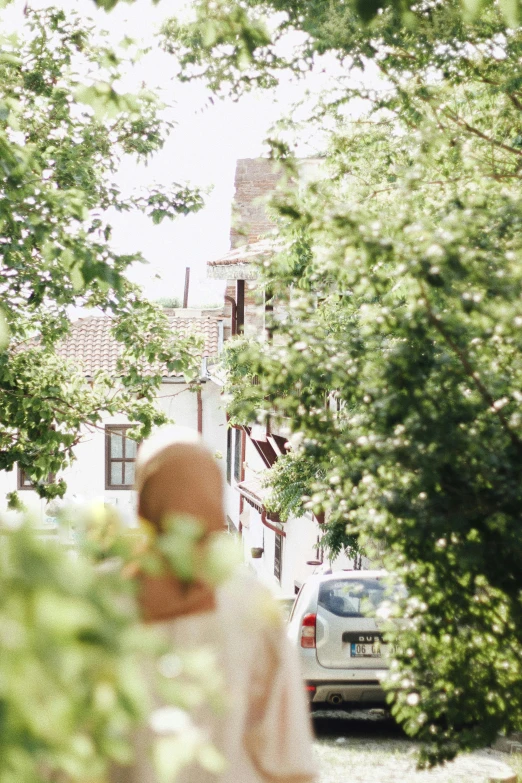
[351,597]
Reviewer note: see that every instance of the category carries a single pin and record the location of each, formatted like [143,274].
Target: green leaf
[511,11]
[209,33]
[105,101]
[211,760]
[66,256]
[472,9]
[367,9]
[172,753]
[63,616]
[222,555]
[76,277]
[108,5]
[8,57]
[4,332]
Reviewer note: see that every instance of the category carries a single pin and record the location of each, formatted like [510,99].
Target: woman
[263,734]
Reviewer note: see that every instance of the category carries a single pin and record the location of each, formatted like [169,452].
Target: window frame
[278,557]
[122,429]
[229,456]
[238,455]
[51,479]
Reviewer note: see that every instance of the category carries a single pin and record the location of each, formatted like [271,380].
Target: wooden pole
[200,411]
[186,292]
[240,306]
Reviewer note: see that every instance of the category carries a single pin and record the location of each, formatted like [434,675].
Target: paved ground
[366,748]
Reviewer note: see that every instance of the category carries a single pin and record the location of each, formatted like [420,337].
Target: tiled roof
[91,344]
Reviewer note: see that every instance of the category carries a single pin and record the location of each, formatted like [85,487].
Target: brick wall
[256,179]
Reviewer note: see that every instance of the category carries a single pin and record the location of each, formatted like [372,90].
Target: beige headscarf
[177,473]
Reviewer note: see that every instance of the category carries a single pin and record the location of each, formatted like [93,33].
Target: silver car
[341,650]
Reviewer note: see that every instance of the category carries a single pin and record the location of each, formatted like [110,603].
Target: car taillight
[308,630]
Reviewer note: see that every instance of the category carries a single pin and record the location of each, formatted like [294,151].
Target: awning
[237,263]
[255,494]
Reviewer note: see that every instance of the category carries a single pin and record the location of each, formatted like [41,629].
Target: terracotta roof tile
[91,344]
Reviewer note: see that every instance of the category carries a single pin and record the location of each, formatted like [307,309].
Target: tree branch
[476,132]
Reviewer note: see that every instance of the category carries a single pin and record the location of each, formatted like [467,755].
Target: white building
[282,554]
[104,465]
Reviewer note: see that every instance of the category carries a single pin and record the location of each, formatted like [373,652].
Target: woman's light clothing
[264,731]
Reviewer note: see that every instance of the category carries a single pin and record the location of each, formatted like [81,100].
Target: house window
[278,557]
[238,444]
[120,458]
[26,482]
[229,456]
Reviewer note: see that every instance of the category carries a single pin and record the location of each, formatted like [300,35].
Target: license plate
[365,650]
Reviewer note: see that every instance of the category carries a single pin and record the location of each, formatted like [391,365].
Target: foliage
[241,382]
[247,43]
[64,128]
[72,680]
[70,684]
[292,483]
[310,13]
[169,301]
[234,36]
[398,360]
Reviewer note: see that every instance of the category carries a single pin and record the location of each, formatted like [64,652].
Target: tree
[296,480]
[315,17]
[398,363]
[71,687]
[63,131]
[72,684]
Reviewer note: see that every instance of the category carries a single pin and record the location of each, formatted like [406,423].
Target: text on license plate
[365,650]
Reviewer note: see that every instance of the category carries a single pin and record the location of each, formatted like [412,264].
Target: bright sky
[202,151]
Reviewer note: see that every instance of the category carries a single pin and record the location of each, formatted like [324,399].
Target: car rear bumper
[339,693]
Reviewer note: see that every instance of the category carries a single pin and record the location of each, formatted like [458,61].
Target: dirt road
[366,748]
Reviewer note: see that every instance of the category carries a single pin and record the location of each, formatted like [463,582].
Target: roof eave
[232,271]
